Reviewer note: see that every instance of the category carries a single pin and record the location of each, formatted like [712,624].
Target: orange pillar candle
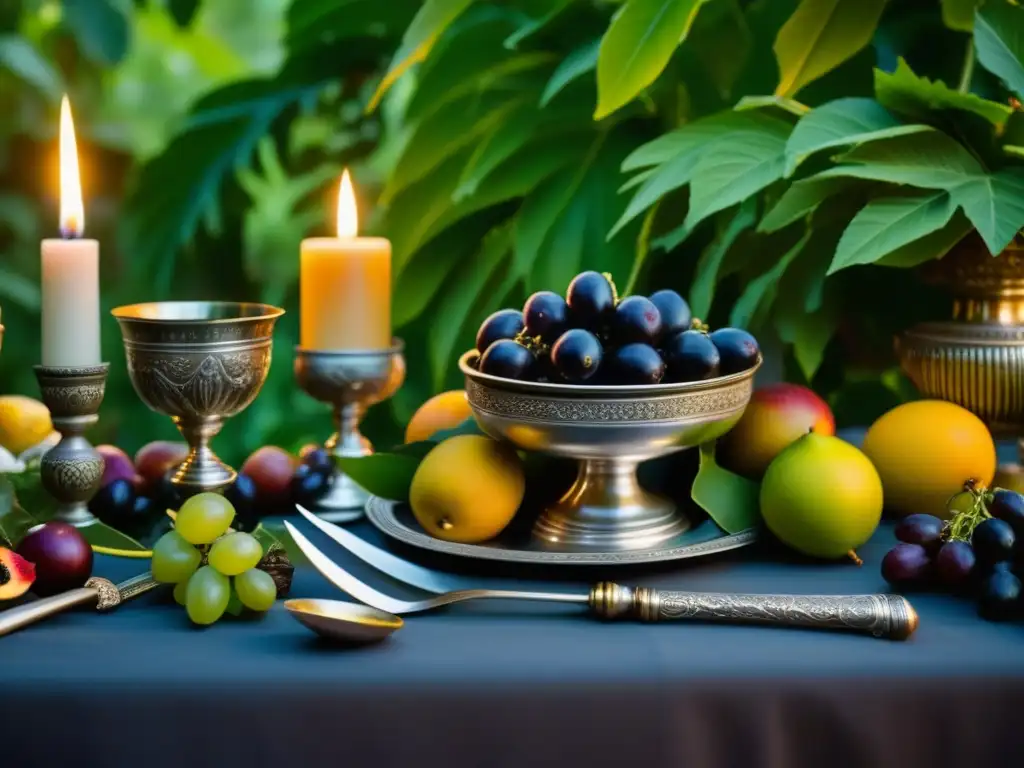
[345,285]
[70,270]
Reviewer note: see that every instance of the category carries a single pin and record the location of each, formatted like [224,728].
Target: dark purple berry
[509,360]
[738,349]
[591,301]
[637,321]
[925,530]
[906,565]
[545,314]
[503,324]
[954,564]
[690,356]
[576,356]
[636,364]
[1009,506]
[999,598]
[309,484]
[993,541]
[675,312]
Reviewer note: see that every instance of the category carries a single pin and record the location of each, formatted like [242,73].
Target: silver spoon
[346,622]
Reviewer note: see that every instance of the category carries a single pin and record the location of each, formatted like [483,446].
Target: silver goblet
[199,363]
[610,430]
[71,471]
[349,381]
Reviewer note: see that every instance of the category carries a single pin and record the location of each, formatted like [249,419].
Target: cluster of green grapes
[228,580]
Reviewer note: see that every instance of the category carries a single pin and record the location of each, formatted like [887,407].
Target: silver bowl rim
[133,312]
[593,391]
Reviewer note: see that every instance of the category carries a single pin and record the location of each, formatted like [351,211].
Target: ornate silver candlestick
[71,471]
[350,382]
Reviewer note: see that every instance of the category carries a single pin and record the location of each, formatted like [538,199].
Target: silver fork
[888,616]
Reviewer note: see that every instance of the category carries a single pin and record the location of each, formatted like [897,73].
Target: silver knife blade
[341,578]
[395,567]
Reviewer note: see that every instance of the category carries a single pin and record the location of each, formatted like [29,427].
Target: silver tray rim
[381,513]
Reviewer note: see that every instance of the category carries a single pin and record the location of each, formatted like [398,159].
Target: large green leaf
[429,268]
[387,475]
[999,43]
[821,35]
[533,24]
[515,129]
[918,97]
[313,24]
[959,14]
[760,292]
[575,65]
[841,123]
[728,172]
[702,290]
[100,28]
[888,223]
[732,501]
[429,23]
[675,173]
[931,160]
[801,198]
[995,205]
[932,246]
[722,41]
[638,44]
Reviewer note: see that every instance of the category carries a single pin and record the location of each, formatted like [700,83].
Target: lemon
[24,423]
[924,451]
[444,411]
[467,489]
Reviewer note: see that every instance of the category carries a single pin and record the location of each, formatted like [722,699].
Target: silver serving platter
[395,519]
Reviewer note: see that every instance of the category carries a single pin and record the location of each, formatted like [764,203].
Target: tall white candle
[70,270]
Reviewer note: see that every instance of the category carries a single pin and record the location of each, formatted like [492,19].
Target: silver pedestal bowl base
[610,430]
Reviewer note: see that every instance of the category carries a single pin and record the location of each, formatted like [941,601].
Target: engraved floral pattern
[71,479]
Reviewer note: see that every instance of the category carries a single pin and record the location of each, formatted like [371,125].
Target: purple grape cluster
[593,337]
[979,551]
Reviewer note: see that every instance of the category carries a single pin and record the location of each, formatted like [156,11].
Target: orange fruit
[445,411]
[24,423]
[925,451]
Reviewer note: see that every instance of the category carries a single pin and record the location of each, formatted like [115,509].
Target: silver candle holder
[71,471]
[350,382]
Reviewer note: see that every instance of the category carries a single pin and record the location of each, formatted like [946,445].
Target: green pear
[822,497]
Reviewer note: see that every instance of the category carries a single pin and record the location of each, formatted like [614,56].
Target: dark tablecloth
[501,685]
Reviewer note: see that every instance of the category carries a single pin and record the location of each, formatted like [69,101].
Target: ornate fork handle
[889,616]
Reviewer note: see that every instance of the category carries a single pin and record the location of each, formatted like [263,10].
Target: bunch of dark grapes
[979,551]
[593,337]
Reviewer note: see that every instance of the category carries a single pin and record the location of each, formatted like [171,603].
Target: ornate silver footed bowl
[610,430]
[199,363]
[349,381]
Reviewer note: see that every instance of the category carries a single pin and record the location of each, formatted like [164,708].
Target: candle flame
[72,211]
[348,216]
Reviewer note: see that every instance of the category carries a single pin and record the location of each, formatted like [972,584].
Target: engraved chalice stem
[202,469]
[347,439]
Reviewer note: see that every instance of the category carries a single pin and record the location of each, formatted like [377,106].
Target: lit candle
[345,285]
[70,270]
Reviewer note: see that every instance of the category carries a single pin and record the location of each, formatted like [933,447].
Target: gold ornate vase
[976,359]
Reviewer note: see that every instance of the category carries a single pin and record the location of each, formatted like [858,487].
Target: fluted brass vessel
[976,359]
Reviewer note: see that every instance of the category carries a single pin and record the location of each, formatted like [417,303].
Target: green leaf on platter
[702,290]
[14,520]
[461,296]
[802,198]
[535,24]
[387,475]
[934,245]
[792,106]
[841,123]
[100,28]
[266,538]
[728,172]
[931,160]
[919,98]
[416,450]
[999,43]
[19,57]
[995,205]
[888,223]
[959,14]
[760,292]
[732,501]
[821,35]
[578,63]
[102,535]
[426,27]
[639,42]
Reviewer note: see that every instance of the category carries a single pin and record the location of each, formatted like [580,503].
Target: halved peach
[16,574]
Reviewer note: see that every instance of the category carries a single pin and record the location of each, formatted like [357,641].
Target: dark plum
[636,321]
[591,300]
[636,364]
[545,314]
[690,356]
[1009,506]
[954,564]
[993,541]
[925,530]
[309,484]
[737,348]
[114,502]
[906,565]
[242,495]
[508,359]
[319,459]
[144,507]
[576,356]
[61,555]
[999,597]
[503,324]
[675,312]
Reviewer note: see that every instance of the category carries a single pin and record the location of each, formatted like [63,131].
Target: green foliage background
[773,160]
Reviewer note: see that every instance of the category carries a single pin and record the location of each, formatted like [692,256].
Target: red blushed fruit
[777,415]
[62,557]
[16,574]
[117,465]
[271,469]
[154,460]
